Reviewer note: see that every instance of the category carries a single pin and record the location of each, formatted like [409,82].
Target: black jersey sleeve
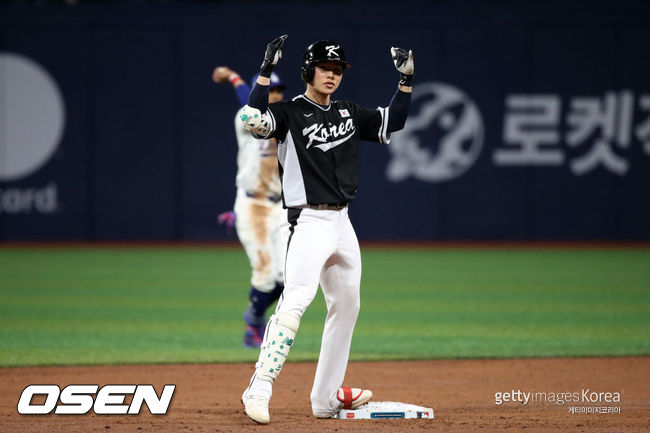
[372,123]
[276,115]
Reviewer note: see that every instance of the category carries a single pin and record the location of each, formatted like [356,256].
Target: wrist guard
[406,80]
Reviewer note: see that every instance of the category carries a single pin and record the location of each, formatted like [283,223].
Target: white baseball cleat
[352,398]
[256,407]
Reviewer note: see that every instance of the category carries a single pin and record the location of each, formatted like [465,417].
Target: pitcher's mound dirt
[462,394]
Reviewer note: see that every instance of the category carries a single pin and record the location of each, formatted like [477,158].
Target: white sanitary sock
[261,387]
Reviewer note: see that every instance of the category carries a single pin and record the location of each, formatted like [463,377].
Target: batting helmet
[321,52]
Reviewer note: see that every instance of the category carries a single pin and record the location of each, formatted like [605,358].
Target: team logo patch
[344,113]
[332,50]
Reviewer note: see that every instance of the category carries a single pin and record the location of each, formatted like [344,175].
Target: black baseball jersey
[318,147]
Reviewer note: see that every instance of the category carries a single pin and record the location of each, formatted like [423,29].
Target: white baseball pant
[323,248]
[258,229]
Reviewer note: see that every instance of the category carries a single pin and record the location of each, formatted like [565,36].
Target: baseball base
[386,410]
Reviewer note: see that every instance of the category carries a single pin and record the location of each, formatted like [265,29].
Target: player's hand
[222,74]
[404,63]
[228,218]
[272,55]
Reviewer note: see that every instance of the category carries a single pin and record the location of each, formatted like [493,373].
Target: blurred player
[318,150]
[258,209]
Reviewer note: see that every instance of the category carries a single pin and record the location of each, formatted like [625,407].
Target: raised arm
[253,113]
[222,74]
[399,106]
[260,95]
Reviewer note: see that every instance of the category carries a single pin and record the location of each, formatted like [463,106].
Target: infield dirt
[461,392]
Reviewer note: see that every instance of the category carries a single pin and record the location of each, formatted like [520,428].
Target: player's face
[275,95]
[327,77]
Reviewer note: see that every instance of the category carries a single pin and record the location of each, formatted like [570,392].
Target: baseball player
[318,148]
[258,209]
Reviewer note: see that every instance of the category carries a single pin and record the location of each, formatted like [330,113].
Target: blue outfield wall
[529,120]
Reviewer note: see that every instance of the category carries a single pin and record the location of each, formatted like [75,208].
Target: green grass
[156,305]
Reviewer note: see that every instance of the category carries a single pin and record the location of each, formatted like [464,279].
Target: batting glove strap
[272,55]
[266,70]
[406,80]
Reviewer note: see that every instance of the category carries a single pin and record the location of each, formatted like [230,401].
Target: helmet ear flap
[307,72]
[307,69]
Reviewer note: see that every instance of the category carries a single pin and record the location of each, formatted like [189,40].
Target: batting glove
[404,63]
[271,56]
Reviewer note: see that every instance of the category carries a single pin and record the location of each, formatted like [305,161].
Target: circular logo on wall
[442,137]
[32,116]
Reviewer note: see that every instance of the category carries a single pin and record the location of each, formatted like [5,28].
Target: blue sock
[259,302]
[277,291]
